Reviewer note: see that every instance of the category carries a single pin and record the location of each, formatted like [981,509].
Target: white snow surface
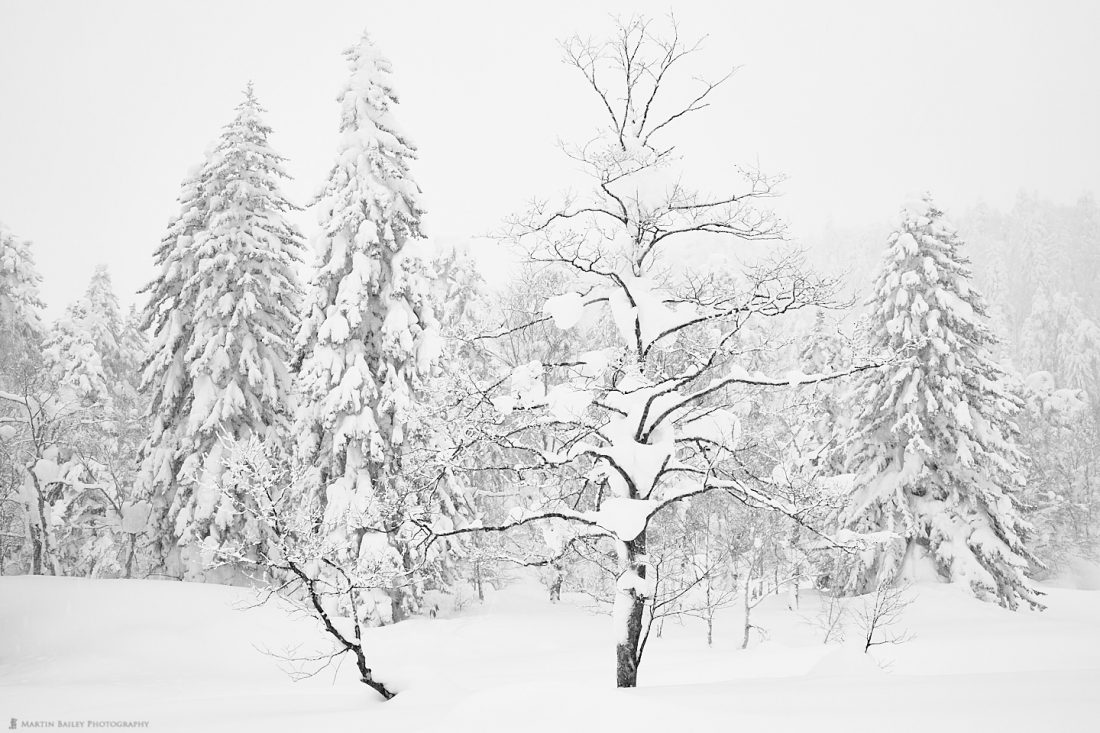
[187,657]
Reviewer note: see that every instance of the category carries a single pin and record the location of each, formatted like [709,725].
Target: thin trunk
[748,608]
[557,582]
[39,534]
[36,551]
[130,557]
[366,676]
[397,605]
[406,596]
[710,614]
[628,650]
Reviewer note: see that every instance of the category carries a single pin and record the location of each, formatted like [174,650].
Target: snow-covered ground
[191,657]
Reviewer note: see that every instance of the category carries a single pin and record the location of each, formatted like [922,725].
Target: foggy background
[105,106]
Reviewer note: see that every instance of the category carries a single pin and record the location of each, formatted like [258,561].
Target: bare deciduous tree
[301,564]
[606,438]
[880,612]
[831,618]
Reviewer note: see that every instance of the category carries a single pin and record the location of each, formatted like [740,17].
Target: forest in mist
[638,396]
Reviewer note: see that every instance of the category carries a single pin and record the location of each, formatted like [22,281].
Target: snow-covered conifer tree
[933,444]
[369,334]
[20,304]
[222,314]
[93,355]
[85,349]
[245,309]
[168,318]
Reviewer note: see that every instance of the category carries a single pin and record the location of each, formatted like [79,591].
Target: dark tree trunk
[40,539]
[628,649]
[36,551]
[626,652]
[556,582]
[130,556]
[367,677]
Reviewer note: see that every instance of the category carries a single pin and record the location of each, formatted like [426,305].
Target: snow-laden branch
[745,379]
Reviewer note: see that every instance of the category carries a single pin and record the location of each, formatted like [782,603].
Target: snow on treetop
[921,211]
[370,92]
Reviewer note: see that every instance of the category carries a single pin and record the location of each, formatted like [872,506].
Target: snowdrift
[189,657]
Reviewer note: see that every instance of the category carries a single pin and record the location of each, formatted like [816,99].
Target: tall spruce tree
[933,448]
[168,318]
[369,335]
[222,312]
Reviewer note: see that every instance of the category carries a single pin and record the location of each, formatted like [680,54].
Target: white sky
[105,105]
